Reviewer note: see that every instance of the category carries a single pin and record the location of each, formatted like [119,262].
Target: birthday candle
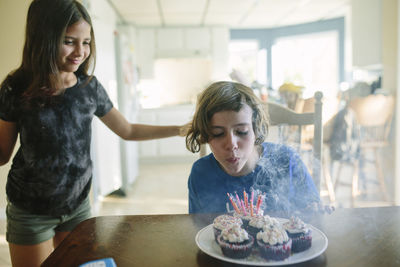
[258,203]
[233,203]
[227,207]
[262,199]
[237,198]
[243,207]
[246,201]
[251,202]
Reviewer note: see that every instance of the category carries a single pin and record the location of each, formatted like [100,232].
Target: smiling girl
[49,102]
[233,121]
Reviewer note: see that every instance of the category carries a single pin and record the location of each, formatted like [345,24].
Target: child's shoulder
[12,85]
[11,92]
[278,149]
[85,79]
[204,161]
[89,82]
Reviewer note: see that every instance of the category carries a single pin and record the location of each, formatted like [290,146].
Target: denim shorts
[25,228]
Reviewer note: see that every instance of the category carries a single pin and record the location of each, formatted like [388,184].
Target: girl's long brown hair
[39,75]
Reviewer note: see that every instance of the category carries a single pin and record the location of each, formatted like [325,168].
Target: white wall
[189,57]
[390,43]
[12,29]
[366,21]
[397,115]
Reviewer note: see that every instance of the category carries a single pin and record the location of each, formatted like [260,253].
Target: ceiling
[231,13]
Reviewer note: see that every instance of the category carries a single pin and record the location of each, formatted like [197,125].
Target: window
[307,60]
[248,60]
[311,55]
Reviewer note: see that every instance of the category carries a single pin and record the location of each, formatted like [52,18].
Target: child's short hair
[221,96]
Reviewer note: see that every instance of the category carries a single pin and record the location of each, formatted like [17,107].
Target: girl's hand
[184,129]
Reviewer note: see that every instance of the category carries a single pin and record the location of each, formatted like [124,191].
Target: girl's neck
[67,80]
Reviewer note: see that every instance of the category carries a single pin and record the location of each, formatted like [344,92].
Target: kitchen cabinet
[198,41]
[374,34]
[183,42]
[186,42]
[169,39]
[166,149]
[366,21]
[220,53]
[146,52]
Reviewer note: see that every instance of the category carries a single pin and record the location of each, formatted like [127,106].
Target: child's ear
[258,140]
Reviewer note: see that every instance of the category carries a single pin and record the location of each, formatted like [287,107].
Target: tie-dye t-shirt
[51,172]
[280,174]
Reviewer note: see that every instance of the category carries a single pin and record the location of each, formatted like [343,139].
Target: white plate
[205,241]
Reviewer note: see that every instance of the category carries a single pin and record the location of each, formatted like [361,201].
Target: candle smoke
[286,191]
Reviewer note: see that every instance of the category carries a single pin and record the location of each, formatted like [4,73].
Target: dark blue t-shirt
[51,172]
[280,173]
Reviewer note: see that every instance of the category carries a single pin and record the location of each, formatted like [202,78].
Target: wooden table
[357,237]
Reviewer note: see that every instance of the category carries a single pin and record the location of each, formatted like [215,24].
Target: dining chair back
[373,116]
[280,115]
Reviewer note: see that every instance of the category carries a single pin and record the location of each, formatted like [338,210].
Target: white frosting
[225,220]
[262,221]
[274,234]
[248,213]
[295,225]
[234,234]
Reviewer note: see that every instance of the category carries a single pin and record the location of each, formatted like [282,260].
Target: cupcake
[300,234]
[223,221]
[257,223]
[247,217]
[235,242]
[274,243]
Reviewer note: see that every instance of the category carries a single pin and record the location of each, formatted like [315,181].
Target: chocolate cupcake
[300,234]
[224,221]
[258,222]
[274,243]
[235,242]
[245,217]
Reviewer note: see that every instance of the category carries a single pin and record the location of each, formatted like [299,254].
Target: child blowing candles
[232,120]
[50,101]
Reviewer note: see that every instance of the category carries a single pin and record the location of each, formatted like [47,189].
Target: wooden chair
[372,124]
[280,115]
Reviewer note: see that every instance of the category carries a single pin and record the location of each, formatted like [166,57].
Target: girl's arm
[8,137]
[128,131]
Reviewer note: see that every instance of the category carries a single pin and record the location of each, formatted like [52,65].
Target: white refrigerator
[115,161]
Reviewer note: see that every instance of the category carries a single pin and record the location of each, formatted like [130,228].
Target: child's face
[232,141]
[76,47]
